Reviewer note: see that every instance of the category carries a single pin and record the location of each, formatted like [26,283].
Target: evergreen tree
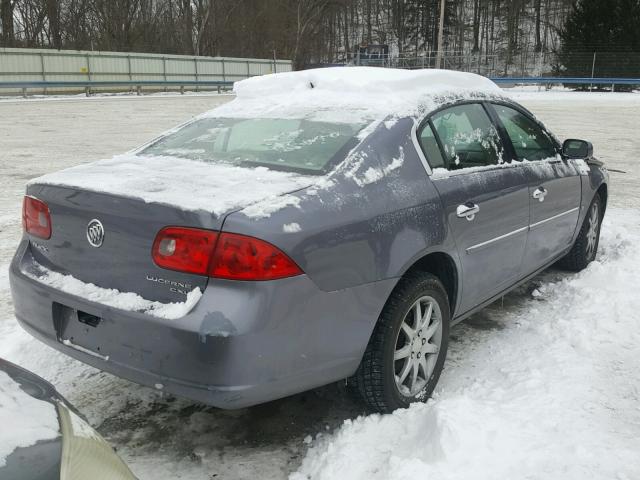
[608,29]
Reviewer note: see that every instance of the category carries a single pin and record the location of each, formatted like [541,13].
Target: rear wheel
[406,353]
[585,248]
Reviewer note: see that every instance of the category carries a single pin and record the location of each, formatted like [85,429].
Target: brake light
[238,257]
[36,219]
[221,255]
[184,249]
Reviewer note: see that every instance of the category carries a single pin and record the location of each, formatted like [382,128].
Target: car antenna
[312,85]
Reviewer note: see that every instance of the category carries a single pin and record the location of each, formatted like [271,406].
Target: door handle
[467,210]
[539,193]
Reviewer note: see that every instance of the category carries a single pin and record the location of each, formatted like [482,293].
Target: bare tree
[6,16]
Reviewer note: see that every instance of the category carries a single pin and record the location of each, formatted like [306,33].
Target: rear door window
[431,148]
[530,141]
[468,137]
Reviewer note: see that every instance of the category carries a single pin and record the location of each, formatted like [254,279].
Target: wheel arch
[443,266]
[603,192]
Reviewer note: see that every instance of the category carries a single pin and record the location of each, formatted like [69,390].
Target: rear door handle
[539,193]
[467,210]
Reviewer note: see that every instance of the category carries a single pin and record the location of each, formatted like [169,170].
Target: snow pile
[351,94]
[291,228]
[192,185]
[24,419]
[553,392]
[345,81]
[114,298]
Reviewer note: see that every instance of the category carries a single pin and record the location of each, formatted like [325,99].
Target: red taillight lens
[238,257]
[221,255]
[184,249]
[36,219]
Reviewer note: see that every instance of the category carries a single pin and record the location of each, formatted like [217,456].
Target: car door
[486,199]
[555,187]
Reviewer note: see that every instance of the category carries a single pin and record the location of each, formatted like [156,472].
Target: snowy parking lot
[543,384]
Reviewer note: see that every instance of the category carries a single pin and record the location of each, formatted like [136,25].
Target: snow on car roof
[355,80]
[352,94]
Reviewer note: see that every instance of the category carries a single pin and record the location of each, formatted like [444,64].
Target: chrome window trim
[542,222]
[416,144]
[496,239]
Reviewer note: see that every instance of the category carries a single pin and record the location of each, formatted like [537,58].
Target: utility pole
[440,34]
[593,70]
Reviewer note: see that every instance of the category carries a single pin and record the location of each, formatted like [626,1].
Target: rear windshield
[280,144]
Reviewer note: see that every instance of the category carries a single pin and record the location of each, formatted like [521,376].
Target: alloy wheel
[417,346]
[592,231]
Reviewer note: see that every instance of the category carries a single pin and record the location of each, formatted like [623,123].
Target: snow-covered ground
[541,385]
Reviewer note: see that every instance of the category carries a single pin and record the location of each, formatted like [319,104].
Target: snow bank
[113,298]
[190,185]
[551,392]
[23,419]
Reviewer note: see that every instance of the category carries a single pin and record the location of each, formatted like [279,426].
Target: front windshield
[280,144]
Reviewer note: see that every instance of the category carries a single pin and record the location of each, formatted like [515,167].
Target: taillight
[36,219]
[238,257]
[184,249]
[221,255]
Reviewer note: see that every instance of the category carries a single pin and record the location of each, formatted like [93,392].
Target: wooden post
[195,63]
[164,72]
[44,72]
[593,70]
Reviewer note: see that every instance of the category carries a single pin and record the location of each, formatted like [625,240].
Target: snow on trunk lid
[122,260]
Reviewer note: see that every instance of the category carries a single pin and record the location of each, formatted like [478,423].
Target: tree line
[509,34]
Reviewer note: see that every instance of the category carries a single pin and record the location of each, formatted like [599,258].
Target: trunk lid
[134,197]
[123,260]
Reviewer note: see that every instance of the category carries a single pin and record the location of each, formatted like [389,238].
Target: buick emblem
[95,233]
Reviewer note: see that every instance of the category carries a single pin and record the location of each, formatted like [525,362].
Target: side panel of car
[492,244]
[595,181]
[554,184]
[375,216]
[486,205]
[554,216]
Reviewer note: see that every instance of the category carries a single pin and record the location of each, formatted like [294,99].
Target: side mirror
[573,148]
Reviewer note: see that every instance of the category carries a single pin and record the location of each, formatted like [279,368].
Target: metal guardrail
[566,80]
[58,67]
[136,84]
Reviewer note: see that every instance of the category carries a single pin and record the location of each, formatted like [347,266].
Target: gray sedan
[273,246]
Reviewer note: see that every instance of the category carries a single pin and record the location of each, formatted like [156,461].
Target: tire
[379,377]
[585,248]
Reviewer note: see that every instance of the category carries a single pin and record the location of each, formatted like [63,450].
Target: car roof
[353,94]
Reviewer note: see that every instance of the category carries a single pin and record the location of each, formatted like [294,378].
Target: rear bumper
[244,343]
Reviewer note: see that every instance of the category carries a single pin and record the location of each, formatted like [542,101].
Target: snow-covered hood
[186,184]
